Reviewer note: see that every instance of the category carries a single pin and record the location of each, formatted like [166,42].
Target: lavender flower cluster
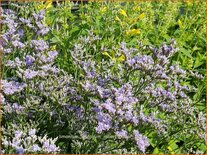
[127,94]
[26,60]
[25,139]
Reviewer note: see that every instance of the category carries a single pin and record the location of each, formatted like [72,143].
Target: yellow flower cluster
[133,21]
[103,10]
[128,22]
[45,5]
[141,16]
[136,8]
[133,32]
[122,12]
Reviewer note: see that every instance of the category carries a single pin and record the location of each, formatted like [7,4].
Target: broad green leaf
[198,62]
[129,128]
[156,151]
[74,31]
[186,52]
[55,40]
[202,146]
[195,48]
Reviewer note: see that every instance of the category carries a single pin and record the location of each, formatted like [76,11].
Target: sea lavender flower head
[39,16]
[102,127]
[32,132]
[49,57]
[109,106]
[24,21]
[142,141]
[30,74]
[18,134]
[12,87]
[143,63]
[104,122]
[52,54]
[21,33]
[43,31]
[35,148]
[19,150]
[122,134]
[18,44]
[29,60]
[48,145]
[7,50]
[39,45]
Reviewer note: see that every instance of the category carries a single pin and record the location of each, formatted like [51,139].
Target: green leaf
[201,106]
[129,128]
[199,92]
[152,138]
[61,144]
[167,37]
[74,29]
[172,146]
[156,151]
[195,48]
[186,52]
[55,40]
[201,146]
[198,62]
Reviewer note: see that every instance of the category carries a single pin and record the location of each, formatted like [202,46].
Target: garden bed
[103,77]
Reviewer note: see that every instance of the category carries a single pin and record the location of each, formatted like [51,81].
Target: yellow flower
[136,8]
[141,16]
[122,12]
[180,23]
[45,5]
[188,2]
[170,149]
[133,21]
[107,54]
[117,19]
[102,10]
[53,47]
[133,32]
[121,58]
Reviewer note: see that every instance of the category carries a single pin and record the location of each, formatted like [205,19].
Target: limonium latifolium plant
[134,102]
[28,61]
